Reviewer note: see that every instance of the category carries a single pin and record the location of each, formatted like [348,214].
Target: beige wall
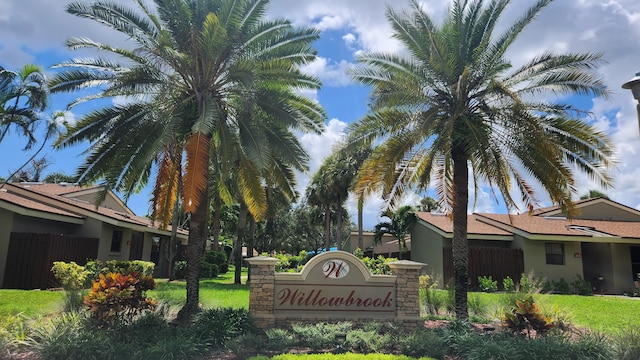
[104,249]
[622,272]
[535,260]
[426,248]
[109,201]
[603,211]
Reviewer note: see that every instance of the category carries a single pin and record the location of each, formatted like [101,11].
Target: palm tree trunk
[339,225]
[195,251]
[242,223]
[460,246]
[360,220]
[327,228]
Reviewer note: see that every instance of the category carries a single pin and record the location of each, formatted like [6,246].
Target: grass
[604,314]
[214,293]
[30,303]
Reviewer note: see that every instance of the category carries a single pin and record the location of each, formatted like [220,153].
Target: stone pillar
[407,294]
[261,290]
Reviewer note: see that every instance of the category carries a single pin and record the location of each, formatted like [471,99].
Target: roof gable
[596,209]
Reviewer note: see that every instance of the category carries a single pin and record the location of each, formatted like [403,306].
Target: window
[116,241]
[555,253]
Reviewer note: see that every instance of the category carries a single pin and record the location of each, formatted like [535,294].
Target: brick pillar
[407,295]
[261,290]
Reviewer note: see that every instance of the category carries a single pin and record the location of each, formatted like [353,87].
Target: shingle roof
[76,208]
[540,225]
[444,223]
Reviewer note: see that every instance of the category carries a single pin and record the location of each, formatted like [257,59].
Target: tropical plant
[400,227]
[454,110]
[23,96]
[211,79]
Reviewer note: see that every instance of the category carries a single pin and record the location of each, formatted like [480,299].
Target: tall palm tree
[23,96]
[197,70]
[454,111]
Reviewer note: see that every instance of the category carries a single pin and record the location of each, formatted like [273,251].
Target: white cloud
[330,72]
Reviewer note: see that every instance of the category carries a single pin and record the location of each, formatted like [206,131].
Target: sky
[34,31]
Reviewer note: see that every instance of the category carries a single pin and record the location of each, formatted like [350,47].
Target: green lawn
[30,303]
[214,293]
[606,314]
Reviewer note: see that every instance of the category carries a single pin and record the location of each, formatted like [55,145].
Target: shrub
[560,286]
[208,271]
[431,299]
[581,286]
[626,343]
[367,341]
[378,265]
[13,330]
[476,305]
[180,269]
[218,258]
[278,339]
[487,284]
[508,285]
[217,326]
[525,317]
[529,284]
[321,335]
[116,298]
[72,277]
[423,343]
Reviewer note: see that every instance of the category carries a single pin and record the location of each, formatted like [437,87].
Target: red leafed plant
[116,298]
[526,317]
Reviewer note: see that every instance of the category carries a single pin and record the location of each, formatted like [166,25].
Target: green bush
[626,343]
[423,343]
[487,284]
[278,339]
[180,269]
[560,287]
[71,276]
[216,326]
[367,341]
[218,258]
[208,271]
[581,286]
[476,305]
[431,299]
[508,285]
[320,335]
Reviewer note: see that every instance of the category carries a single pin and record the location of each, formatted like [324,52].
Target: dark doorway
[137,244]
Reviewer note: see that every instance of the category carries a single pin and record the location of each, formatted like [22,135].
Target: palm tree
[400,224]
[204,74]
[454,111]
[23,96]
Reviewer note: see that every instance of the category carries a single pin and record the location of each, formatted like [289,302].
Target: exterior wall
[623,276]
[109,202]
[104,249]
[426,248]
[535,260]
[6,220]
[604,211]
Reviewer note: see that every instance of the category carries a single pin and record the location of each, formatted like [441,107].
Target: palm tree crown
[210,78]
[23,96]
[454,110]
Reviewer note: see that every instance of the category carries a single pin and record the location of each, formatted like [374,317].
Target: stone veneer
[263,286]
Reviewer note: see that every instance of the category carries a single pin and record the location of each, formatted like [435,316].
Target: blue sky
[34,31]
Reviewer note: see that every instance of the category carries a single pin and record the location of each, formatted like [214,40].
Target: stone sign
[333,286]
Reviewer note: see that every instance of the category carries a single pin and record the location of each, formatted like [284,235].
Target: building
[42,223]
[602,245]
